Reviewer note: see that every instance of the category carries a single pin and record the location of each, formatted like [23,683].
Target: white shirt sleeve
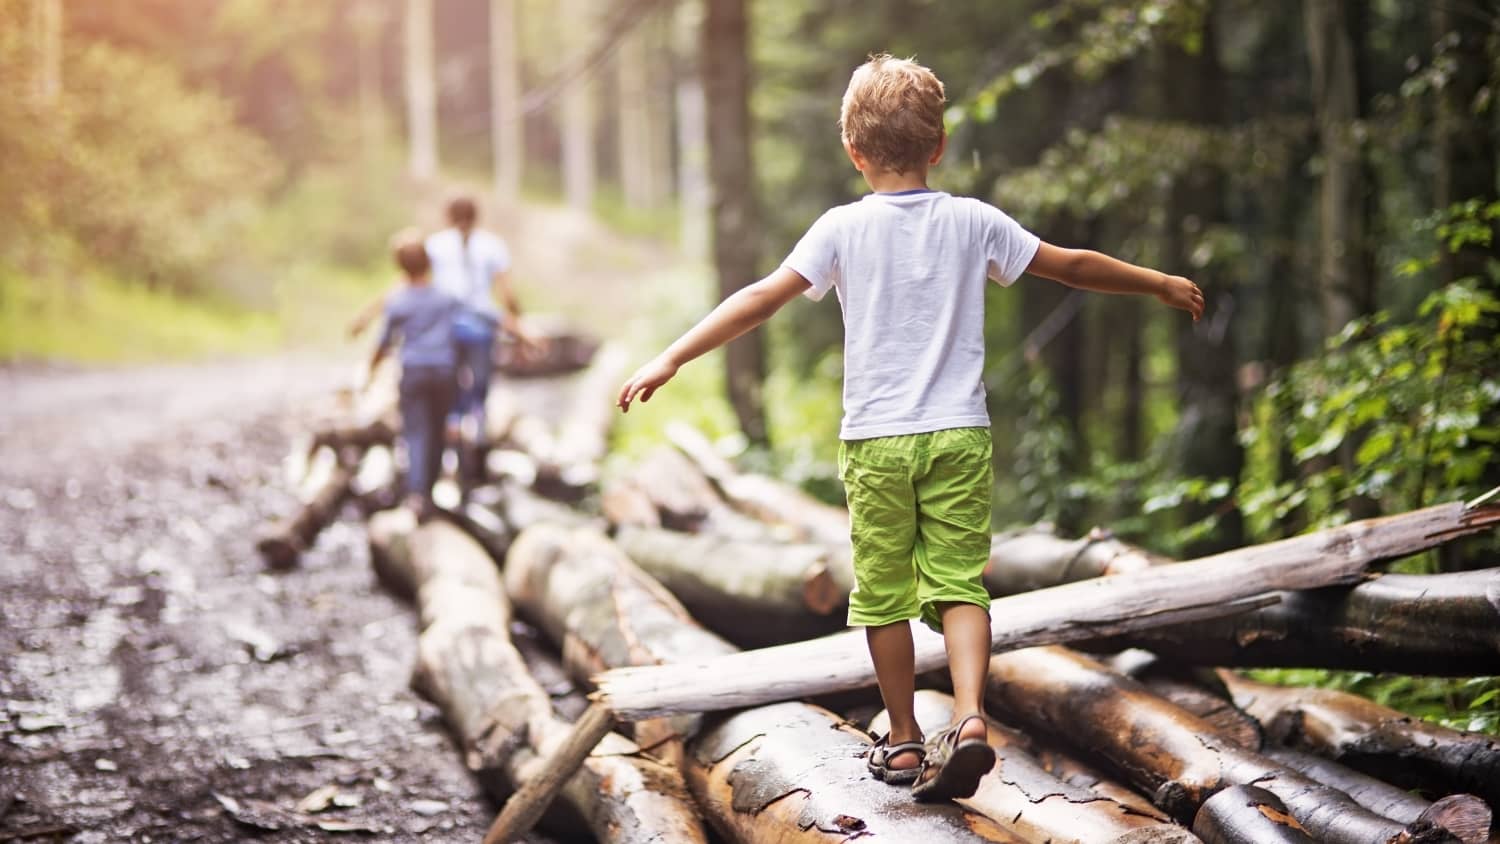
[815,257]
[1009,248]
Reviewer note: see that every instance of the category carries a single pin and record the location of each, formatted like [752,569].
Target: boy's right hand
[645,381]
[1182,294]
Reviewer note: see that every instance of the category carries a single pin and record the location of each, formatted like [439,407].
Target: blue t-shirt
[421,317]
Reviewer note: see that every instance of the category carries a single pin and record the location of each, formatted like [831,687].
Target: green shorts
[919,511]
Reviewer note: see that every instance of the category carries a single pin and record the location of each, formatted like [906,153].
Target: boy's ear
[937,154]
[855,158]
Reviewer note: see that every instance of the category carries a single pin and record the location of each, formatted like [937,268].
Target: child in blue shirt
[421,318]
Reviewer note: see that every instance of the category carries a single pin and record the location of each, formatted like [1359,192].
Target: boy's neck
[890,181]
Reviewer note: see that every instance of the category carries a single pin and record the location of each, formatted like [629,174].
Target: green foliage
[1467,704]
[129,167]
[1404,400]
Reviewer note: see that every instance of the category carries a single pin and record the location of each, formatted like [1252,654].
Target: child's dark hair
[462,211]
[410,253]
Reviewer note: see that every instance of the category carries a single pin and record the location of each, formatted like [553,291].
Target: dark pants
[475,362]
[427,396]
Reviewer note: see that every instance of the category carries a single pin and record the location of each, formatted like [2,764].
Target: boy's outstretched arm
[741,311]
[1089,270]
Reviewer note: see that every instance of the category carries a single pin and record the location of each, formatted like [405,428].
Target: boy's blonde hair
[893,113]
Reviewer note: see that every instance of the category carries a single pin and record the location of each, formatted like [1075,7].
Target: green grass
[101,320]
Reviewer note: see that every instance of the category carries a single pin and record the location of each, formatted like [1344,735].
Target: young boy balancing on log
[908,265]
[421,316]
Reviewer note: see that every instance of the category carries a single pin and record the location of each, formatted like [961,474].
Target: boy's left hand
[1182,294]
[645,381]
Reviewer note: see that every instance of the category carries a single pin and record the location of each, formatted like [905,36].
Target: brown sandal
[953,767]
[881,754]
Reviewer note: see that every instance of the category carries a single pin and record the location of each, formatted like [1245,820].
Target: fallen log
[563,350]
[1033,803]
[357,437]
[666,489]
[1442,624]
[1071,770]
[1167,750]
[282,544]
[1212,587]
[789,773]
[1036,558]
[1464,815]
[765,498]
[1375,739]
[793,773]
[501,716]
[751,593]
[1245,814]
[583,434]
[800,517]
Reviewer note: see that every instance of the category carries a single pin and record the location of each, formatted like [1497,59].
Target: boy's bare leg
[966,635]
[895,670]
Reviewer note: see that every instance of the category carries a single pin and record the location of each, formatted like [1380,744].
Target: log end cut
[1464,815]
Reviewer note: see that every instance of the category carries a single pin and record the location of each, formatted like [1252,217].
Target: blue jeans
[427,396]
[476,347]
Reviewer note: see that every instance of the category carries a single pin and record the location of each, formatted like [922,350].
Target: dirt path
[155,680]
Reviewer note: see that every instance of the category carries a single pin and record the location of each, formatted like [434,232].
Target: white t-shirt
[465,270]
[909,270]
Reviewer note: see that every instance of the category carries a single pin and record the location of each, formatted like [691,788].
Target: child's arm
[741,311]
[1091,270]
[367,314]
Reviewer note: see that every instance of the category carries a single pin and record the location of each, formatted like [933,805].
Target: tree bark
[1375,739]
[1212,587]
[725,66]
[502,717]
[367,20]
[1246,814]
[1166,750]
[751,593]
[633,94]
[1033,803]
[507,140]
[666,489]
[421,93]
[1036,558]
[1446,625]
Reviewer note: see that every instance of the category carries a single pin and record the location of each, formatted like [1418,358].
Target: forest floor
[157,683]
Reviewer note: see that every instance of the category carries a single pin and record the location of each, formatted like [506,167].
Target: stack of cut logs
[645,590]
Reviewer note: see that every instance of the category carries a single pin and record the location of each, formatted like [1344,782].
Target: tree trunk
[725,62]
[633,94]
[1464,815]
[578,115]
[1036,558]
[751,593]
[47,24]
[1074,772]
[1166,750]
[421,93]
[1446,625]
[1368,737]
[366,21]
[1343,283]
[502,717]
[794,773]
[694,194]
[283,543]
[1246,814]
[585,594]
[1205,443]
[1212,587]
[507,138]
[1033,803]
